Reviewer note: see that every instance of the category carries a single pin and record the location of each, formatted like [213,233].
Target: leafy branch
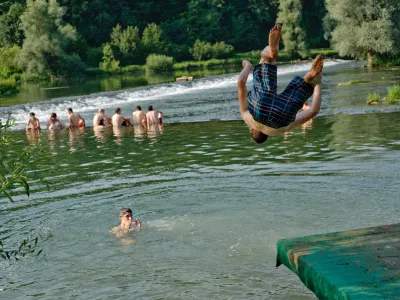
[13,173]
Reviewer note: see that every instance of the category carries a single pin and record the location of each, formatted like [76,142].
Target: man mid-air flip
[264,110]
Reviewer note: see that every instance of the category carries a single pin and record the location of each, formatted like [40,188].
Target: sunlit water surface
[212,203]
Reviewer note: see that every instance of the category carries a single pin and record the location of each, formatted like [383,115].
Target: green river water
[212,203]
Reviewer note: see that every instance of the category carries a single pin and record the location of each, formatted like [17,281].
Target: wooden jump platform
[356,264]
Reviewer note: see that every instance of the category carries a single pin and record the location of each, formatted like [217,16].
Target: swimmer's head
[101,111]
[125,215]
[139,108]
[118,110]
[32,115]
[150,108]
[258,136]
[69,110]
[53,116]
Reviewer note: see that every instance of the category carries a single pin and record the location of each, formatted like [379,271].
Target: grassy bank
[253,56]
[8,86]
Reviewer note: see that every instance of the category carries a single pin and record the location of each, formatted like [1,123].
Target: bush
[8,85]
[386,60]
[159,63]
[373,98]
[204,50]
[393,94]
[8,64]
[133,69]
[109,63]
[222,50]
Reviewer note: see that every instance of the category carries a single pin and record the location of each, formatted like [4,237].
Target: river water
[212,203]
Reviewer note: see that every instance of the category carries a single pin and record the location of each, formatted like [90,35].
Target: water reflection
[33,136]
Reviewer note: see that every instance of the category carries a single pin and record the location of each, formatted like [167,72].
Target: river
[212,203]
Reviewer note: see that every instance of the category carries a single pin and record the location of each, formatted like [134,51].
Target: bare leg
[305,115]
[270,52]
[242,90]
[316,69]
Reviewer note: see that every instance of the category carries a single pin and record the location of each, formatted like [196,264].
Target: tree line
[45,38]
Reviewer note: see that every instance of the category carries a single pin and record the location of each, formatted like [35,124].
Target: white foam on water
[89,104]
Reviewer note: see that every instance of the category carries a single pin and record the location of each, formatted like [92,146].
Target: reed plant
[393,94]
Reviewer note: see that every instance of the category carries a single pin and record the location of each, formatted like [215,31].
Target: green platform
[356,264]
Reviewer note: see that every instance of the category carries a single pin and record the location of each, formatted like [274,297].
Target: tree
[43,52]
[10,24]
[153,39]
[127,42]
[365,27]
[109,62]
[294,36]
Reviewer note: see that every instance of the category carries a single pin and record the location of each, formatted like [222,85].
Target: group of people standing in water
[100,120]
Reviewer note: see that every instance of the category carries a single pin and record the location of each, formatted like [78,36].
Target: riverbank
[253,56]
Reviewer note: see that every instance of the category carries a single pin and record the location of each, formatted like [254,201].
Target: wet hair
[70,110]
[118,110]
[124,211]
[53,115]
[138,107]
[258,136]
[32,114]
[150,108]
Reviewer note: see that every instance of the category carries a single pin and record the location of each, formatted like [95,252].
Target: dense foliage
[365,27]
[60,38]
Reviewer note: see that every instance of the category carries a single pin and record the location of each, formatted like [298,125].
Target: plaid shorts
[273,109]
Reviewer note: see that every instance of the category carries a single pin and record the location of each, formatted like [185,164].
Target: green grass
[137,69]
[393,94]
[8,86]
[374,98]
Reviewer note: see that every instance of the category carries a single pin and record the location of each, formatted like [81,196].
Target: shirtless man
[139,117]
[264,110]
[152,116]
[75,120]
[33,122]
[55,123]
[125,216]
[118,121]
[100,119]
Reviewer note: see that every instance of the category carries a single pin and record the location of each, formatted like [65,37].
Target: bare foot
[270,52]
[274,37]
[316,70]
[246,63]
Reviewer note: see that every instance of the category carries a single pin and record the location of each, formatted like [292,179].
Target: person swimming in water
[33,122]
[264,110]
[126,219]
[55,123]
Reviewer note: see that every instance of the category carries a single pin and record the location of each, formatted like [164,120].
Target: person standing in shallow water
[55,123]
[75,120]
[264,110]
[33,122]
[139,117]
[126,219]
[118,121]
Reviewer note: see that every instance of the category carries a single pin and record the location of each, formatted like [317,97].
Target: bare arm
[242,90]
[308,114]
